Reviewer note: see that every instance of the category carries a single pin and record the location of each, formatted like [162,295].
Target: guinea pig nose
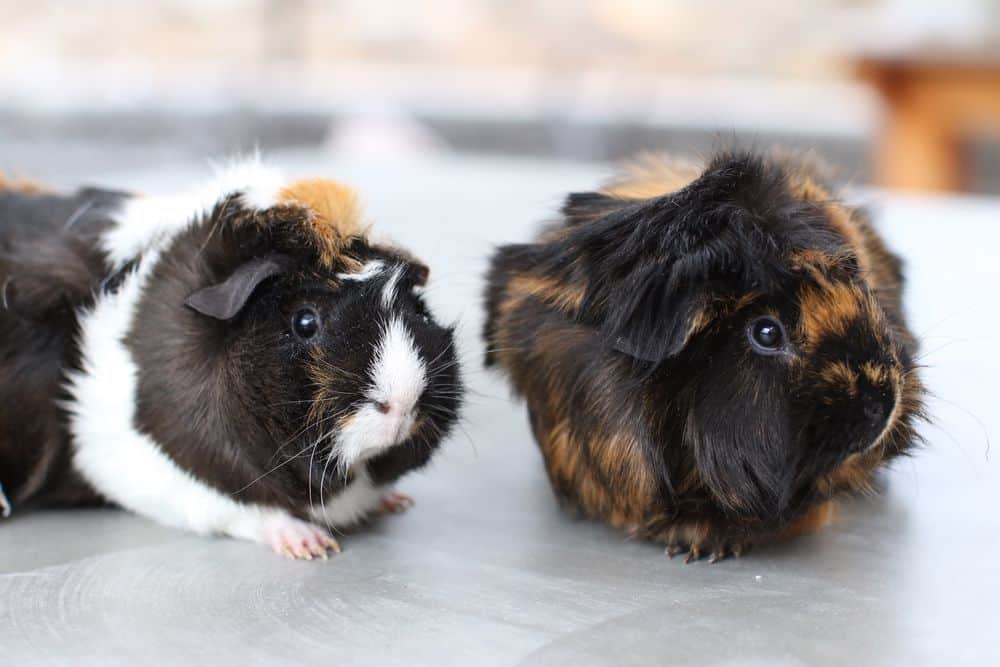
[382,407]
[875,408]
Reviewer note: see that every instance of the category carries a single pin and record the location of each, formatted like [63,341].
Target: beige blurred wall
[779,69]
[774,37]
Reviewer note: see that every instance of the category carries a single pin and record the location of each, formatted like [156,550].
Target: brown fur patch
[842,220]
[22,185]
[324,377]
[650,175]
[839,374]
[854,474]
[335,213]
[813,262]
[604,473]
[818,517]
[880,375]
[840,217]
[565,297]
[828,310]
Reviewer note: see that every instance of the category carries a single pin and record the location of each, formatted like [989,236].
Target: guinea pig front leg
[702,538]
[286,535]
[395,503]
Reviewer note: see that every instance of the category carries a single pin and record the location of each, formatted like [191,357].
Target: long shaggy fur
[625,328]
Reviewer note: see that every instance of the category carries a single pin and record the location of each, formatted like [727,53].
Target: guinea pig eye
[767,336]
[305,323]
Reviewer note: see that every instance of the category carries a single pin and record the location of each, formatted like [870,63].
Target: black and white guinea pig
[241,360]
[709,353]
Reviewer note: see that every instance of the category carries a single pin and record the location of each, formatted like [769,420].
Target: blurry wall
[582,79]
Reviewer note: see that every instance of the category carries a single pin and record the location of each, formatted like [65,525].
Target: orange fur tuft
[335,212]
[651,175]
[816,518]
[21,185]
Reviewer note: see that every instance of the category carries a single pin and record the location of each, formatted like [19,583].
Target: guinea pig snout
[398,379]
[397,411]
[876,405]
[396,419]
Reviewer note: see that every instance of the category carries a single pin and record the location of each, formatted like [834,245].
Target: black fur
[49,267]
[727,231]
[233,399]
[243,384]
[635,325]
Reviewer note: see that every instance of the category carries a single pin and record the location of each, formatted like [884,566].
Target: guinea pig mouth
[369,432]
[868,426]
[889,424]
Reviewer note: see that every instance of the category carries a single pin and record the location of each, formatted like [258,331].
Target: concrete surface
[486,570]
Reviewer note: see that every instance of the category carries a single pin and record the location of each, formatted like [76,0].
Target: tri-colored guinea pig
[242,359]
[709,354]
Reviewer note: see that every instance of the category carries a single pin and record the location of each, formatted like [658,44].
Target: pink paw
[297,539]
[395,503]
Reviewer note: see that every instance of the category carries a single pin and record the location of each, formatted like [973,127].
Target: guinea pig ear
[659,323]
[581,207]
[652,266]
[224,300]
[419,273]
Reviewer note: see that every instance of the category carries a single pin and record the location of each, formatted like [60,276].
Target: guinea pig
[242,359]
[709,355]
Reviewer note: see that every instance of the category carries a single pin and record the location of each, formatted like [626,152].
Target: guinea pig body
[239,360]
[708,356]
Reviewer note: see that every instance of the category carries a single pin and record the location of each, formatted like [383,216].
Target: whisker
[980,422]
[322,482]
[283,463]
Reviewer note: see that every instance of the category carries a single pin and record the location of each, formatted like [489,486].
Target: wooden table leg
[918,149]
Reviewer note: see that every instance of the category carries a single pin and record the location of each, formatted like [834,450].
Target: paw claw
[715,544]
[395,503]
[299,540]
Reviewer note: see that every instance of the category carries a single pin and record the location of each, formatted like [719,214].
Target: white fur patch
[367,272]
[389,290]
[121,463]
[398,374]
[398,379]
[127,466]
[148,222]
[259,183]
[351,504]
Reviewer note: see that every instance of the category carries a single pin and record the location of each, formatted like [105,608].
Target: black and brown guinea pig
[242,359]
[709,354]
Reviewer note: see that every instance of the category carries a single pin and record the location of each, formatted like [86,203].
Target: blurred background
[462,123]
[902,93]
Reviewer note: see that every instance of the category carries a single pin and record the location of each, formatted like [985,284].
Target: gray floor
[485,569]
